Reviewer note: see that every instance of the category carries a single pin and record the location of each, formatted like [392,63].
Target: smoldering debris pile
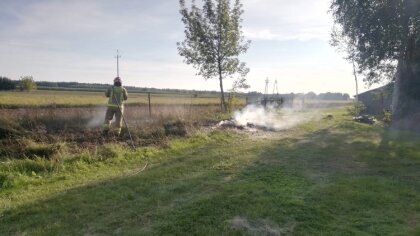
[365,119]
[258,118]
[233,124]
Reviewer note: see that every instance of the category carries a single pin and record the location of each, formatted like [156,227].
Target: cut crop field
[45,98]
[328,176]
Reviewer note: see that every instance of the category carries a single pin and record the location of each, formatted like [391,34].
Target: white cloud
[287,20]
[264,34]
[53,18]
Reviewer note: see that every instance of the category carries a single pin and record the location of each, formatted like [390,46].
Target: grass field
[45,98]
[324,177]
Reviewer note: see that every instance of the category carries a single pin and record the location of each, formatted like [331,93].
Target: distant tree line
[96,86]
[308,96]
[6,84]
[25,83]
[325,96]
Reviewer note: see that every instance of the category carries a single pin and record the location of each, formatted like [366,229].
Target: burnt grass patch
[48,132]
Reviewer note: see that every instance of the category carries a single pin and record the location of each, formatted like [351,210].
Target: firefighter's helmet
[117,79]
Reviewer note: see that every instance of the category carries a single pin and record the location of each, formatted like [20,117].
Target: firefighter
[117,95]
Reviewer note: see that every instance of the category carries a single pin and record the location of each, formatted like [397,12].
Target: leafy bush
[27,83]
[387,117]
[232,102]
[6,84]
[356,108]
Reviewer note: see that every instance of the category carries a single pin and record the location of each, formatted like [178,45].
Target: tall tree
[346,44]
[385,35]
[214,41]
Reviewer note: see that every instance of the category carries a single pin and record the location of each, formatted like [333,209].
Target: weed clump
[31,167]
[175,128]
[25,148]
[6,132]
[47,151]
[108,151]
[3,179]
[157,134]
[8,180]
[8,129]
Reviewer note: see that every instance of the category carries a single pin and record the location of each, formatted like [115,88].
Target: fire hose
[125,122]
[131,138]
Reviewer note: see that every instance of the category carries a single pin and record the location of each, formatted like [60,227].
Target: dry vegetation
[50,129]
[84,99]
[47,123]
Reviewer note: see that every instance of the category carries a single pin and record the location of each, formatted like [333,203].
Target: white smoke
[272,117]
[98,118]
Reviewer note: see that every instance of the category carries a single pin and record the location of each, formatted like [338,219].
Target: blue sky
[58,40]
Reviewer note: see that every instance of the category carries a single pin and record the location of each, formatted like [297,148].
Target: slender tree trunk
[357,85]
[406,96]
[222,98]
[219,59]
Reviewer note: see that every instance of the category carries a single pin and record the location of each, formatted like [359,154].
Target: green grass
[329,177]
[46,98]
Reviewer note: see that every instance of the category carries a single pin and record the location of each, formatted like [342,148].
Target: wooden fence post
[150,105]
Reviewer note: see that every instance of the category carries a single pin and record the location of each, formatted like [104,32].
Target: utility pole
[266,93]
[266,86]
[276,88]
[118,56]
